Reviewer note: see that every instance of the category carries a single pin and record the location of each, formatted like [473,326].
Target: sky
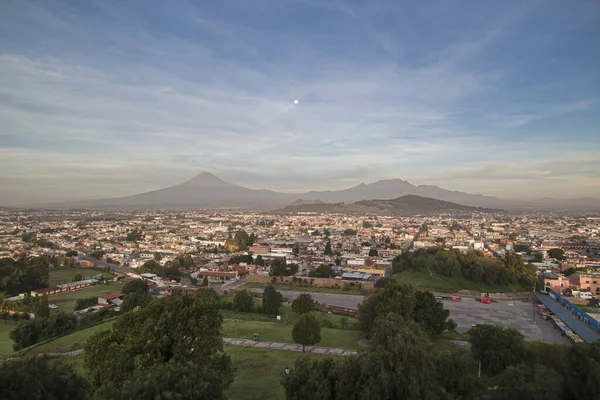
[111,98]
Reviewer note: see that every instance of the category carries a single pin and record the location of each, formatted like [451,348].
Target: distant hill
[208,191]
[300,202]
[405,206]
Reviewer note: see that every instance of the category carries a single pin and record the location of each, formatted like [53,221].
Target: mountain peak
[206,179]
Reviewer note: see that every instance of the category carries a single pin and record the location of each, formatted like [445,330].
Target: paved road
[331,299]
[289,347]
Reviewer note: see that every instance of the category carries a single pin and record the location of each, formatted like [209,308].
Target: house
[556,282]
[355,277]
[587,282]
[111,299]
[218,276]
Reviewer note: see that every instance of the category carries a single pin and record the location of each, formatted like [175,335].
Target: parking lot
[511,314]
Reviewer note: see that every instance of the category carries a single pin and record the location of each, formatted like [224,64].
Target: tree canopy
[271,300]
[176,334]
[303,304]
[41,377]
[243,301]
[306,331]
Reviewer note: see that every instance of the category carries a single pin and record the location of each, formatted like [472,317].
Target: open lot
[517,314]
[66,301]
[65,275]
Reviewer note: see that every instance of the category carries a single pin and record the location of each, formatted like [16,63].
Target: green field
[280,332]
[296,288]
[421,280]
[73,341]
[66,301]
[6,343]
[65,275]
[258,372]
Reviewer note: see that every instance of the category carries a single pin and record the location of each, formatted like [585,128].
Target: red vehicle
[456,298]
[485,300]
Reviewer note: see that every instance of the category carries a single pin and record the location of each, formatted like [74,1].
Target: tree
[41,377]
[188,261]
[313,379]
[157,256]
[175,334]
[430,313]
[349,232]
[134,236]
[71,253]
[135,285]
[322,271]
[306,331]
[303,304]
[557,254]
[279,267]
[85,302]
[243,301]
[582,366]
[496,347]
[271,300]
[534,382]
[394,297]
[135,299]
[328,251]
[77,278]
[373,253]
[194,281]
[367,225]
[43,308]
[205,281]
[457,373]
[259,261]
[538,257]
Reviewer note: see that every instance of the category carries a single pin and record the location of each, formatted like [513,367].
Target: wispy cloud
[118,99]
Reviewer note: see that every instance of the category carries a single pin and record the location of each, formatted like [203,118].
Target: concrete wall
[317,282]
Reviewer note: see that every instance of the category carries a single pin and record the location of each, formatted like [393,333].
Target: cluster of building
[359,247]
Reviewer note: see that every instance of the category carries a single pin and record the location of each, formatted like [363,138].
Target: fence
[576,311]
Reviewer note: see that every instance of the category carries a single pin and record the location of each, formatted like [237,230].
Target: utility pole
[533,300]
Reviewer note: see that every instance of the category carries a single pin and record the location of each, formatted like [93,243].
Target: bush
[451,325]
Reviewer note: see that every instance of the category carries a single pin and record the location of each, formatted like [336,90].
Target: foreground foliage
[40,378]
[173,347]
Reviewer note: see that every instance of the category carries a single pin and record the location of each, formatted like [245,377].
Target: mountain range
[208,191]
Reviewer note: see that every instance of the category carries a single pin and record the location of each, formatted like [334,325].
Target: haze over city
[106,99]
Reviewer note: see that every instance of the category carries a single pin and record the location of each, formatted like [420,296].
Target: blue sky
[109,98]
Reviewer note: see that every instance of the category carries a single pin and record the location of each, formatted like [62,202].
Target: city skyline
[107,99]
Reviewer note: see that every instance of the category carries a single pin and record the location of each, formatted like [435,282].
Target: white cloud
[108,122]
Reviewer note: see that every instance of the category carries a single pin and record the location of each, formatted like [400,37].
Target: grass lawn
[280,332]
[421,280]
[65,275]
[258,372]
[73,341]
[6,343]
[66,301]
[296,288]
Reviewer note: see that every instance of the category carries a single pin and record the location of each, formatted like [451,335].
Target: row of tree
[451,263]
[23,274]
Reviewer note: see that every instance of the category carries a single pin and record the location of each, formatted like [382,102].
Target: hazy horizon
[108,99]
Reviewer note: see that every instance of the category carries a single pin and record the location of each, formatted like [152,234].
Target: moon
[296,101]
